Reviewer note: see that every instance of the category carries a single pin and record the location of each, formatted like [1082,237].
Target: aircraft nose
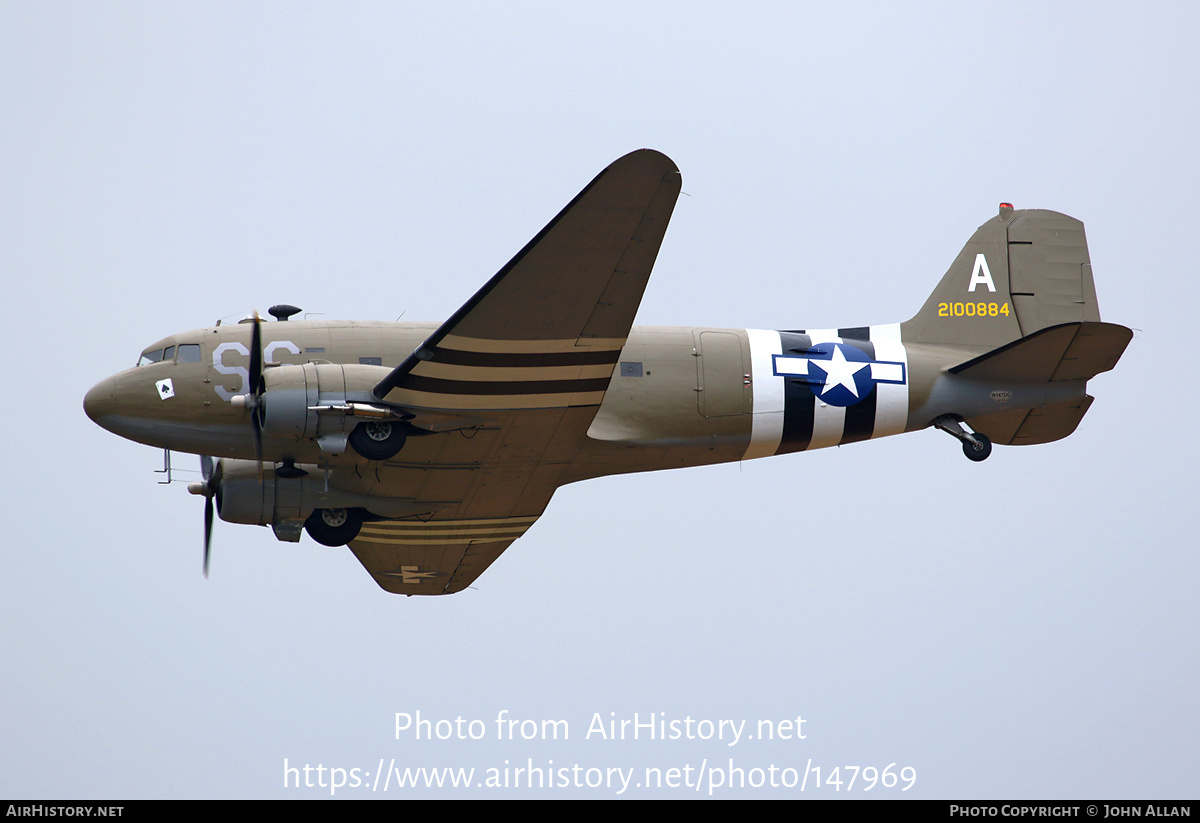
[99,402]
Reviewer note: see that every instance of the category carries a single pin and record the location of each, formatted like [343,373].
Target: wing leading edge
[533,351]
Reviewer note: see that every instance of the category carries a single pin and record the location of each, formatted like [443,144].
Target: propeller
[208,489]
[257,385]
[252,400]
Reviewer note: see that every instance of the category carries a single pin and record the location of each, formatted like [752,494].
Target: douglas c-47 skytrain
[429,448]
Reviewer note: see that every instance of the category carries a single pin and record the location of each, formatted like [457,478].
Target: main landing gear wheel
[377,441]
[334,527]
[978,450]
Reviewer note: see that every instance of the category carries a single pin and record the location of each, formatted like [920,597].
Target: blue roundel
[839,374]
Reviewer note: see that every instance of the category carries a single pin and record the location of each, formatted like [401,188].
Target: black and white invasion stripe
[789,416]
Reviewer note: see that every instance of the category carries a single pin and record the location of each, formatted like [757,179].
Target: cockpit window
[188,353]
[149,357]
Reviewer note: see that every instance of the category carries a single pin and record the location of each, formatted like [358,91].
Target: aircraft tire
[377,441]
[980,451]
[334,527]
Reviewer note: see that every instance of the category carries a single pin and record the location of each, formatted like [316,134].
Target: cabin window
[189,353]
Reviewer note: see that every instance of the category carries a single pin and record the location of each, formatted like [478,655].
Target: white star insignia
[839,371]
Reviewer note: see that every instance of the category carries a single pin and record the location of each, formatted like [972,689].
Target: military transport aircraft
[428,449]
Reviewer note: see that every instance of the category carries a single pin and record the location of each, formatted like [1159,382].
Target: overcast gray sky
[1022,627]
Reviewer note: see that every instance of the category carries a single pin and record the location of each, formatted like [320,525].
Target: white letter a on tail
[981,274]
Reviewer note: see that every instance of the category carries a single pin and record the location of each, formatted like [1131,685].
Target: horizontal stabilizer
[1027,427]
[1053,422]
[1071,351]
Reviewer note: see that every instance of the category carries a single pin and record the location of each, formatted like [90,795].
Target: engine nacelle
[319,401]
[243,498]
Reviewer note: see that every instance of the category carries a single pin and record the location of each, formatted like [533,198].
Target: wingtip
[648,157]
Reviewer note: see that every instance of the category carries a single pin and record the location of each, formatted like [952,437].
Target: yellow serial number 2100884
[972,310]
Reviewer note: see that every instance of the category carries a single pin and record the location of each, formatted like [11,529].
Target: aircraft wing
[531,354]
[436,557]
[548,328]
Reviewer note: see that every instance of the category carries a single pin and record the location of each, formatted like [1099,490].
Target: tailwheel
[980,449]
[377,440]
[975,446]
[334,527]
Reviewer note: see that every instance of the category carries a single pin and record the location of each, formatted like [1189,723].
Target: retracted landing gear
[975,446]
[378,440]
[334,527]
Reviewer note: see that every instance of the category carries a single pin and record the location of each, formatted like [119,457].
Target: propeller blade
[208,524]
[256,389]
[210,488]
[256,358]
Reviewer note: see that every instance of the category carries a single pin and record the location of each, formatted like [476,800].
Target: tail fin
[1021,272]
